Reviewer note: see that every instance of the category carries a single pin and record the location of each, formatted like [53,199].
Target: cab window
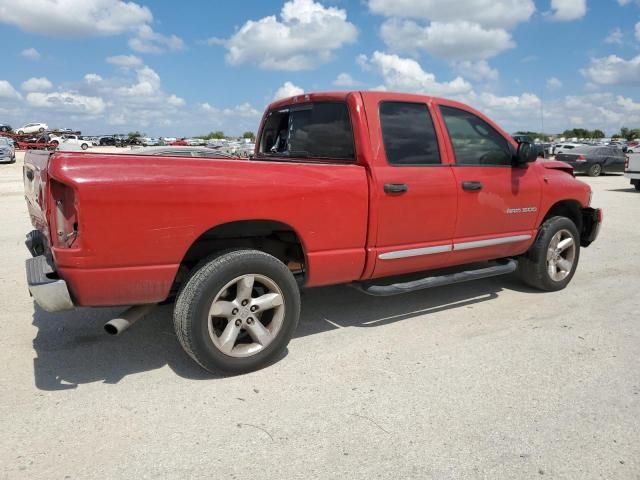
[474,141]
[319,130]
[408,134]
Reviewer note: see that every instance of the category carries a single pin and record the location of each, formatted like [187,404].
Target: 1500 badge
[522,210]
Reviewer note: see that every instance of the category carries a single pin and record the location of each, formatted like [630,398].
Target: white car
[32,128]
[71,140]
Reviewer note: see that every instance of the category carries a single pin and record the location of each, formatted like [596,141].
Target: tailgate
[35,176]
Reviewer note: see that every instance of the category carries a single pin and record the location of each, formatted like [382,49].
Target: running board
[430,282]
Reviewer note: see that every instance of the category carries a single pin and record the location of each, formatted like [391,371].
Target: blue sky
[106,66]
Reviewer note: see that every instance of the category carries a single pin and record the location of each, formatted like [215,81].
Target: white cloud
[67,102]
[125,61]
[7,91]
[488,13]
[175,101]
[288,90]
[638,31]
[148,41]
[92,78]
[479,71]
[35,84]
[148,84]
[70,18]
[567,10]
[460,40]
[243,110]
[613,70]
[345,80]
[302,39]
[406,75]
[30,54]
[553,83]
[615,37]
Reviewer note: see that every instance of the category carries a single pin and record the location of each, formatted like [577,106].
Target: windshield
[4,142]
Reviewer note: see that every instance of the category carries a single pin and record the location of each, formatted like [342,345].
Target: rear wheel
[552,260]
[20,132]
[237,312]
[637,185]
[84,146]
[595,170]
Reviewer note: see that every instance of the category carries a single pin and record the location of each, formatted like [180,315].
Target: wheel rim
[561,255]
[246,315]
[597,169]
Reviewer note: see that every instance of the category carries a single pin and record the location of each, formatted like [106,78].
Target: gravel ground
[482,380]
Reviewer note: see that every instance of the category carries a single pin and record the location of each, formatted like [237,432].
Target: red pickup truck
[349,187]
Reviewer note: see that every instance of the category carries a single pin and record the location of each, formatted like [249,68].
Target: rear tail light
[626,162]
[581,158]
[64,220]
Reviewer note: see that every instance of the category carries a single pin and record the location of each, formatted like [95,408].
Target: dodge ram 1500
[349,187]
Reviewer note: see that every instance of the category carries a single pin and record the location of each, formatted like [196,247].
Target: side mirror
[526,153]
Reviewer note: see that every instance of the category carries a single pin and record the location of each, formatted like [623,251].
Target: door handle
[395,188]
[471,186]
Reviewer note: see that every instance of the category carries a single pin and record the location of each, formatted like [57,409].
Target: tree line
[625,133]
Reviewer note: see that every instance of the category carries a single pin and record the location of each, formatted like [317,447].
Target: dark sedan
[594,161]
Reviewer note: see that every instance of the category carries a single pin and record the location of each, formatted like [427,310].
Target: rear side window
[317,130]
[408,134]
[474,141]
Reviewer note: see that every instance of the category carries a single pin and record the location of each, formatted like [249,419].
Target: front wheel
[551,262]
[20,132]
[237,312]
[84,146]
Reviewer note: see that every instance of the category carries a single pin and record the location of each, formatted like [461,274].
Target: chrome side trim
[490,242]
[415,252]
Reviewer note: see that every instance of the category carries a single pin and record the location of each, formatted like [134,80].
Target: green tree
[219,134]
[135,134]
[249,135]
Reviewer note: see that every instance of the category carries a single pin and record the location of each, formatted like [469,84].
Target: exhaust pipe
[130,316]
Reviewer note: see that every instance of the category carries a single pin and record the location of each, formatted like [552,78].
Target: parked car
[632,170]
[342,189]
[633,147]
[113,140]
[5,128]
[32,128]
[149,142]
[74,139]
[7,151]
[594,161]
[181,142]
[564,147]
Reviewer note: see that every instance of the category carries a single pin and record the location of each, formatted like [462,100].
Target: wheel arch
[270,236]
[566,208]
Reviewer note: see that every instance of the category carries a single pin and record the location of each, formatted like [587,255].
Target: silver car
[7,151]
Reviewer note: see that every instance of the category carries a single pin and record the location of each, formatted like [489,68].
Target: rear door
[414,197]
[497,202]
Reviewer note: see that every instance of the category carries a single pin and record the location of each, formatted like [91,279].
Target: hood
[556,165]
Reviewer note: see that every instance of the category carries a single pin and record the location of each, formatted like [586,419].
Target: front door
[415,196]
[497,201]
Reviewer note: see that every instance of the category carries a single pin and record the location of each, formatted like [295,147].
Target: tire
[637,186]
[534,267]
[41,130]
[20,132]
[595,170]
[217,281]
[84,146]
[4,129]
